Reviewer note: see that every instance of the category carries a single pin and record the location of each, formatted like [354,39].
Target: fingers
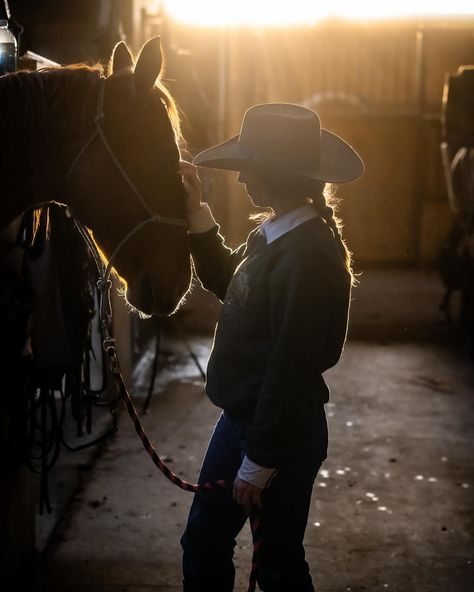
[188,169]
[246,495]
[192,185]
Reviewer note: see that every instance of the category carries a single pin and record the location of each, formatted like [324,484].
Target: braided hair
[324,202]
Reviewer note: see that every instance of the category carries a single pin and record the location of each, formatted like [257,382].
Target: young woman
[285,296]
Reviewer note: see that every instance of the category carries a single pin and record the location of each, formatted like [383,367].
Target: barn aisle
[393,506]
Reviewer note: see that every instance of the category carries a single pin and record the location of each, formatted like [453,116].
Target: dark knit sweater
[282,324]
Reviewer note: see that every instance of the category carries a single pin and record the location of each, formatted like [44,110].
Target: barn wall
[379,86]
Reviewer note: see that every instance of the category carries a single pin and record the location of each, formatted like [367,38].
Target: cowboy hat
[288,140]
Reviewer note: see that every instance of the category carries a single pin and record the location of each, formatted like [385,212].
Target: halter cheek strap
[100,116]
[154,217]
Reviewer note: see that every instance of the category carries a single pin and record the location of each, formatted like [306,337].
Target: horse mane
[27,90]
[27,98]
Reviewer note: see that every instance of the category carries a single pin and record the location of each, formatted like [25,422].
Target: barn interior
[83,507]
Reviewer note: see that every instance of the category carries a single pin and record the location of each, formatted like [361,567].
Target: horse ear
[149,65]
[121,57]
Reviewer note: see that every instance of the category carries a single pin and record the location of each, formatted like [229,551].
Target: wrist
[200,220]
[195,208]
[255,474]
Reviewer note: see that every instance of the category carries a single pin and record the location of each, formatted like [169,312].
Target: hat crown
[281,133]
[287,140]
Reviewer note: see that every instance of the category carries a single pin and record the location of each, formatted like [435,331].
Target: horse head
[125,183]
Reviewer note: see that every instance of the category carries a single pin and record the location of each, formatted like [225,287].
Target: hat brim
[339,162]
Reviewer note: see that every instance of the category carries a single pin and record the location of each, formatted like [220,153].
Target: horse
[107,148]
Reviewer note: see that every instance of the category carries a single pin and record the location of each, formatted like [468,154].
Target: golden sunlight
[293,12]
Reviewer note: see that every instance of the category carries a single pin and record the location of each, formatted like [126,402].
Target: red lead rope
[109,347]
[105,314]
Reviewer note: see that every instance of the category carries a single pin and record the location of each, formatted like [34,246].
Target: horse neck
[45,117]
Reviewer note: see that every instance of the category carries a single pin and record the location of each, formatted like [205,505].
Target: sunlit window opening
[297,12]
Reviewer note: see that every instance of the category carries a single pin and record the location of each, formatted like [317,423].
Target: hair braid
[324,203]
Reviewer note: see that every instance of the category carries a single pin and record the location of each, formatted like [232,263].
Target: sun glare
[293,12]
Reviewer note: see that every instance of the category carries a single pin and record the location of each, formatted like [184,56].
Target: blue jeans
[215,519]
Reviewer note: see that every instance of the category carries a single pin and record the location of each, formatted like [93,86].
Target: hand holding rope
[254,517]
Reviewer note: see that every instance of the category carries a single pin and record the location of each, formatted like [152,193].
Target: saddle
[47,346]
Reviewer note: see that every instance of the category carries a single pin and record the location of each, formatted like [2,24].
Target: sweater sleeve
[301,307]
[214,262]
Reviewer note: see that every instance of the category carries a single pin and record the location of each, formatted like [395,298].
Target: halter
[154,217]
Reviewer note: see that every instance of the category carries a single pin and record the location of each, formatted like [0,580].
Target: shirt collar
[273,229]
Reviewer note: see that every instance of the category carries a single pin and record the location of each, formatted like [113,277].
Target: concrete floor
[393,506]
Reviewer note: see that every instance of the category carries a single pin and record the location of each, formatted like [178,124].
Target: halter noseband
[154,217]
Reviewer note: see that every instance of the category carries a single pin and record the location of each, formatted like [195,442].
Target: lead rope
[109,345]
[110,349]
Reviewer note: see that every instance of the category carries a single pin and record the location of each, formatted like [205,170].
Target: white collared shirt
[273,229]
[202,220]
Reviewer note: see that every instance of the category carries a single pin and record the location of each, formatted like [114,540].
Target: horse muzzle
[143,297]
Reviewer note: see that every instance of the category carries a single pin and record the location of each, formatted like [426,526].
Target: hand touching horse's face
[141,126]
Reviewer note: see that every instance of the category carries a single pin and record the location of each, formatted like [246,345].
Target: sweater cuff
[201,220]
[255,474]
